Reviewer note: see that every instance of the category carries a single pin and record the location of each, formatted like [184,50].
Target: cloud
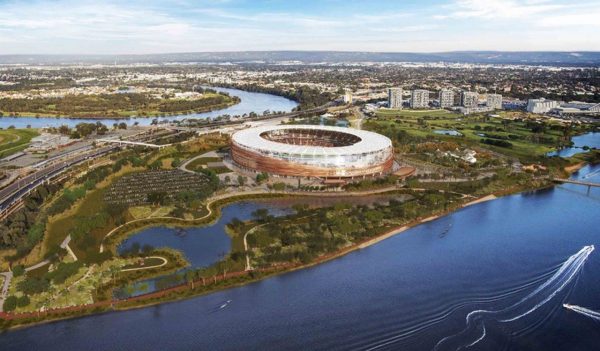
[503,9]
[154,26]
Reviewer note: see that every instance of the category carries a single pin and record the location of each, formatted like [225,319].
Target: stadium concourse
[329,153]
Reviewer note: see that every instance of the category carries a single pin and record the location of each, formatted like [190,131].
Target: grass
[421,124]
[416,113]
[61,225]
[138,212]
[15,140]
[202,161]
[144,262]
[104,108]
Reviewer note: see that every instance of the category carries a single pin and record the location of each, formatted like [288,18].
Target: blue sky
[139,27]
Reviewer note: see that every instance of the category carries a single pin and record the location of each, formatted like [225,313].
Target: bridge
[577,182]
[213,125]
[127,142]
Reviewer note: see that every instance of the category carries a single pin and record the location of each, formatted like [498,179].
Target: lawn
[15,140]
[92,204]
[138,212]
[202,161]
[416,113]
[526,144]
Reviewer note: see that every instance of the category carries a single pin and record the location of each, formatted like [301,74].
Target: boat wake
[584,311]
[475,330]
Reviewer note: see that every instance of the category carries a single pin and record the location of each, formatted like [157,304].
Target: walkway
[264,191]
[164,262]
[135,143]
[184,165]
[9,275]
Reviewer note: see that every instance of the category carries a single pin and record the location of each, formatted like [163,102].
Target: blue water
[589,139]
[250,102]
[447,132]
[202,246]
[405,293]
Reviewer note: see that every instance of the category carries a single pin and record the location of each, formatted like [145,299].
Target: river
[250,102]
[508,264]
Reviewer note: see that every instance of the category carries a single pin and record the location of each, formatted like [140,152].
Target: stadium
[312,151]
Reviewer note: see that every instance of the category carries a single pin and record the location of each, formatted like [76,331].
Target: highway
[15,191]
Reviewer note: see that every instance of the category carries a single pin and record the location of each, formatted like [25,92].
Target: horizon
[307,51]
[67,27]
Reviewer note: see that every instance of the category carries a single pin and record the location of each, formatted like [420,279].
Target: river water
[250,102]
[493,275]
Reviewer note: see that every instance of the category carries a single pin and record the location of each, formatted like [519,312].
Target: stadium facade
[313,151]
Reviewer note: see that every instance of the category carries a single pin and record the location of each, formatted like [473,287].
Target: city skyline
[69,27]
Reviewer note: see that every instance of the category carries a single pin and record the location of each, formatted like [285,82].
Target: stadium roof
[369,141]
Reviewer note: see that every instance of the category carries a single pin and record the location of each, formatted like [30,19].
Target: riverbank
[227,281]
[122,115]
[235,279]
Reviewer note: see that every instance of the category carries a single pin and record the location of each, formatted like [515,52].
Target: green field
[15,140]
[415,113]
[112,105]
[526,144]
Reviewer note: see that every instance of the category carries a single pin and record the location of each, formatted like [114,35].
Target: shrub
[18,270]
[23,301]
[10,303]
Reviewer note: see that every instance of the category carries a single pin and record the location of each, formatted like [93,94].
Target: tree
[158,197]
[261,214]
[10,304]
[261,177]
[241,180]
[23,301]
[18,270]
[190,276]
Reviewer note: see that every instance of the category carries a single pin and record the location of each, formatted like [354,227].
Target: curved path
[164,262]
[265,191]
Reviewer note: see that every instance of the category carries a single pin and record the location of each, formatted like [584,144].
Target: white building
[419,98]
[494,101]
[348,97]
[446,98]
[469,99]
[47,142]
[395,98]
[541,105]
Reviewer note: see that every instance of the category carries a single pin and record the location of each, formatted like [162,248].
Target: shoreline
[125,118]
[278,270]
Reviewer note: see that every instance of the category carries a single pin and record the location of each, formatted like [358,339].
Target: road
[14,192]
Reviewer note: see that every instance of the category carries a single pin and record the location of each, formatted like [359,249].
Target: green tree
[10,304]
[23,301]
[18,270]
[241,180]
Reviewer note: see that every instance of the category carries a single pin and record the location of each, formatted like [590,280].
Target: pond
[448,132]
[204,246]
[588,139]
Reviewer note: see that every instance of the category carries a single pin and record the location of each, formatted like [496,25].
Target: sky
[151,26]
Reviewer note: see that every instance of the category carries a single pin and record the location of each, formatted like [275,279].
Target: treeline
[310,233]
[495,142]
[25,227]
[307,97]
[106,105]
[175,105]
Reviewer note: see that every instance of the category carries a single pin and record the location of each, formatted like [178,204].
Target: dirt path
[164,262]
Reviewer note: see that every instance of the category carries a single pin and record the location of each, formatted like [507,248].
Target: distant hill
[566,58]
